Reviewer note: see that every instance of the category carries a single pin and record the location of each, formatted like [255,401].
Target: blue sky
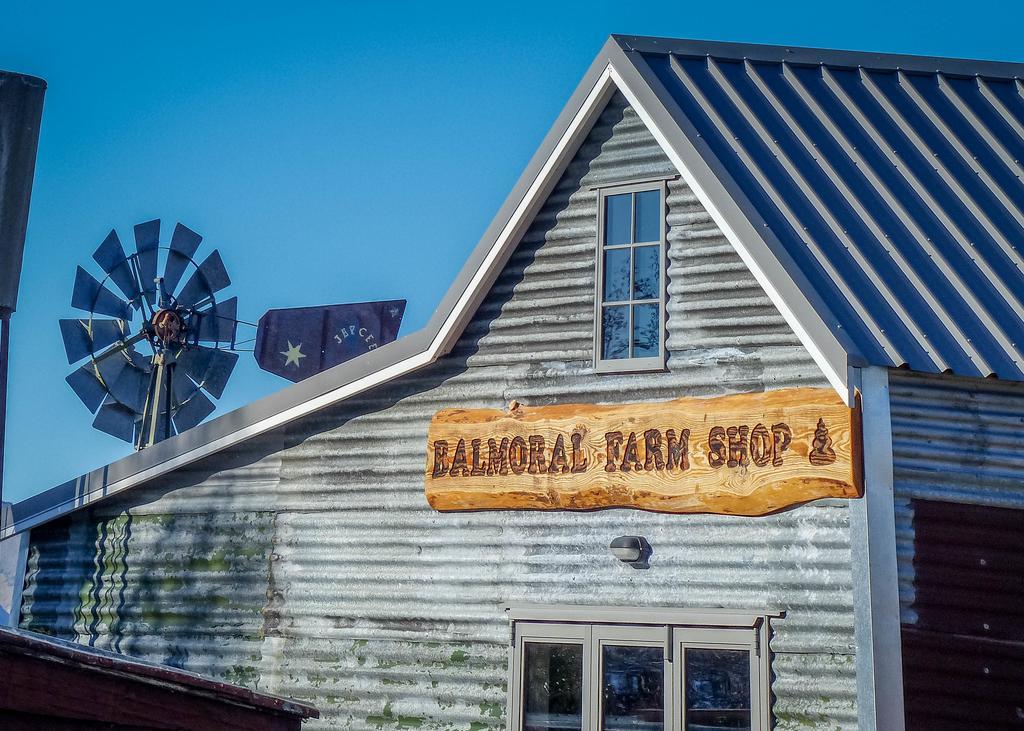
[333,152]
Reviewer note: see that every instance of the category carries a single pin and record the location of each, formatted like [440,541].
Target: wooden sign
[749,454]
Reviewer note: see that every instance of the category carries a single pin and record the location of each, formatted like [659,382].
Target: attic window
[630,313]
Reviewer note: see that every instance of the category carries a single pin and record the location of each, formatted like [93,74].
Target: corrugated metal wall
[317,570]
[958,464]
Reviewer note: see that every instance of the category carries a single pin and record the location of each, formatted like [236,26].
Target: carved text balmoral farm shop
[748,454]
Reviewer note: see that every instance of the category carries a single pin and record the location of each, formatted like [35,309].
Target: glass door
[620,677]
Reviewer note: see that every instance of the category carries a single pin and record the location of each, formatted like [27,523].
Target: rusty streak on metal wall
[387,614]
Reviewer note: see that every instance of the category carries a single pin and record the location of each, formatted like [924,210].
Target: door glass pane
[646,272]
[717,689]
[646,331]
[648,216]
[632,682]
[552,686]
[618,218]
[615,332]
[616,275]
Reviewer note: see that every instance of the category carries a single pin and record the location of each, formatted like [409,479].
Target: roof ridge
[815,56]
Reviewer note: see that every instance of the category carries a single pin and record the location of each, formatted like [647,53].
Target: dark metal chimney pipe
[21,108]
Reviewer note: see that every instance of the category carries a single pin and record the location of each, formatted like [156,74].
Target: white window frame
[629,365]
[672,629]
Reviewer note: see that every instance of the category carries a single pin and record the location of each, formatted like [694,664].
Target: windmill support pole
[153,414]
[167,414]
[5,350]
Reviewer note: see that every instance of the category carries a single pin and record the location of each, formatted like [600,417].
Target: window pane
[632,679]
[615,333]
[618,218]
[648,216]
[717,689]
[646,331]
[616,275]
[552,686]
[646,272]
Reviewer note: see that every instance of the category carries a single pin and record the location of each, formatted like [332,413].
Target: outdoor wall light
[634,550]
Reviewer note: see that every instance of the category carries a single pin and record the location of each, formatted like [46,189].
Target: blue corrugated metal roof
[892,183]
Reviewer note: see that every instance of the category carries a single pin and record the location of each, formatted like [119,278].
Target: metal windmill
[186,335]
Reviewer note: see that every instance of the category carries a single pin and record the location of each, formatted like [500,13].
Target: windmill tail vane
[299,342]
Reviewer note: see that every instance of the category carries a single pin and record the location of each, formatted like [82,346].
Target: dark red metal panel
[969,569]
[58,691]
[957,682]
[963,660]
[64,682]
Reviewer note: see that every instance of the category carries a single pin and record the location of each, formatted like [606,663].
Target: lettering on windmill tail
[352,331]
[748,454]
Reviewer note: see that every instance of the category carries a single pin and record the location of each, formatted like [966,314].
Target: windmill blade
[140,361]
[112,259]
[186,415]
[82,339]
[91,382]
[91,296]
[131,387]
[210,278]
[116,420]
[87,387]
[147,244]
[215,324]
[184,243]
[208,367]
[109,369]
[182,386]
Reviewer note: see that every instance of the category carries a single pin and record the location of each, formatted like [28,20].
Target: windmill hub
[169,327]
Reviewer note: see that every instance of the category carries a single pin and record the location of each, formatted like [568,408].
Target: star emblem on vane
[293,354]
